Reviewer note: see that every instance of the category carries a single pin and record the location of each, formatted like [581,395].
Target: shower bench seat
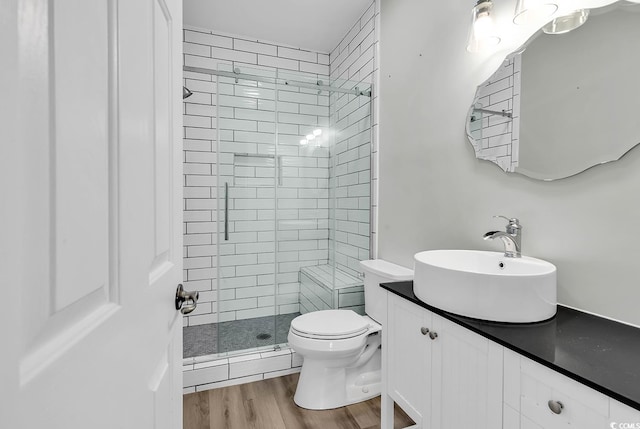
[320,289]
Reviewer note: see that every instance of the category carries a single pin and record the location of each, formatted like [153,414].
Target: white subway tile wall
[323,288]
[230,132]
[304,176]
[354,119]
[497,137]
[208,372]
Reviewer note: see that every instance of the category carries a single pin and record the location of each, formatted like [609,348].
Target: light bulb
[303,142]
[483,33]
[310,137]
[318,131]
[483,26]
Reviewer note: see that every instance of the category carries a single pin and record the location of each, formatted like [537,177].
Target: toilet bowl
[340,348]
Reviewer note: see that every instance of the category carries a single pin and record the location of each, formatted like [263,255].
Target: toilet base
[322,388]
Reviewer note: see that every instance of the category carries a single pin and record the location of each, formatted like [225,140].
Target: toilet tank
[378,271]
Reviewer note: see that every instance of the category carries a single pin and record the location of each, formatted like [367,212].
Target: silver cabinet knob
[555,406]
[424,330]
[433,335]
[185,301]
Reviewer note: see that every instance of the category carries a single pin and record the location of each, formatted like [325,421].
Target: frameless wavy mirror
[565,102]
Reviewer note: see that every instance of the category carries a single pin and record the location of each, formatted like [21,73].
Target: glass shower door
[323,204]
[302,195]
[246,162]
[293,193]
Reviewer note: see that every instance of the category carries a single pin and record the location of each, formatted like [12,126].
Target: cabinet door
[409,358]
[466,377]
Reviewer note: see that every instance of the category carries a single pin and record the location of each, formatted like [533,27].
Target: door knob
[186,302]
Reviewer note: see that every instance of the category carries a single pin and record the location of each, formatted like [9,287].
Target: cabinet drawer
[582,406]
[623,416]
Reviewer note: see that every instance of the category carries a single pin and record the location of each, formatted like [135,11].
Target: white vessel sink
[486,285]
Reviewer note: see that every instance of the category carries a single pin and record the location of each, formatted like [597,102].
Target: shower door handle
[226,211]
[190,298]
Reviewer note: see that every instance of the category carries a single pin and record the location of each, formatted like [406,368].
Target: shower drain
[263,336]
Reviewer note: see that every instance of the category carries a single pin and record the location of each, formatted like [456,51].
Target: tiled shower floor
[235,335]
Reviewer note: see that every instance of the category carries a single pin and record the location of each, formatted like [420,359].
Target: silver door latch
[186,302]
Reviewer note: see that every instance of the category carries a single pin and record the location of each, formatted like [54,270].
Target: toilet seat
[330,325]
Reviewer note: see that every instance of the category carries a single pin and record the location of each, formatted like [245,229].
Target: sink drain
[263,336]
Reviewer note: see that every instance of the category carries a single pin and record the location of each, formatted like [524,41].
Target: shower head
[186,93]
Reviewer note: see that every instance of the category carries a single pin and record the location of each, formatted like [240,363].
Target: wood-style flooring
[268,404]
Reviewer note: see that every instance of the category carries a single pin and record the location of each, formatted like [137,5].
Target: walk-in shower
[277,202]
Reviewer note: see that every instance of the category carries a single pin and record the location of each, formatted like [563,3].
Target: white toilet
[341,349]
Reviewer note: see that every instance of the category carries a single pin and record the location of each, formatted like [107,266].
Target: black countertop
[597,352]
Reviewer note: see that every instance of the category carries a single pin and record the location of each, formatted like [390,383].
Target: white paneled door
[92,206]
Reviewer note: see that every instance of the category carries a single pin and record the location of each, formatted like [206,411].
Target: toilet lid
[330,324]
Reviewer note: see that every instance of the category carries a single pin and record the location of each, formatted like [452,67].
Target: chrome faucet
[512,238]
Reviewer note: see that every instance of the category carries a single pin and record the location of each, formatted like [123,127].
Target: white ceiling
[307,24]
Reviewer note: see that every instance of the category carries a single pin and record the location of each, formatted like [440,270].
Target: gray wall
[435,194]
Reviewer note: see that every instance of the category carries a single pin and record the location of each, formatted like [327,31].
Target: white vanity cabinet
[445,376]
[440,374]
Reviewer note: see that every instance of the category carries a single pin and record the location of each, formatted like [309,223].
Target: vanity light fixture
[483,34]
[533,12]
[565,23]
